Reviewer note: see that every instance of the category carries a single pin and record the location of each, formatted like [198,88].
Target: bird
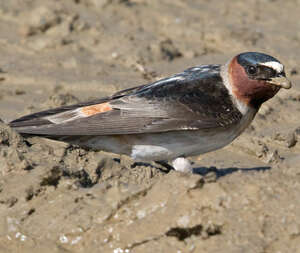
[200,110]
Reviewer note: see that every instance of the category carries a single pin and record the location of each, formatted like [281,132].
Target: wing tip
[29,122]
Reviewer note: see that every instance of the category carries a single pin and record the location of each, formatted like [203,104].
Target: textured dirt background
[59,198]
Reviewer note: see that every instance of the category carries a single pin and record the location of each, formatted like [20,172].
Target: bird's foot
[179,164]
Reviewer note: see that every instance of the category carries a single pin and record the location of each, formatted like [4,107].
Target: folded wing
[187,101]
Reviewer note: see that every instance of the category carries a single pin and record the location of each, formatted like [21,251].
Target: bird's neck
[242,105]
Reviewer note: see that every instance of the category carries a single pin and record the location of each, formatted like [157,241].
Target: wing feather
[187,101]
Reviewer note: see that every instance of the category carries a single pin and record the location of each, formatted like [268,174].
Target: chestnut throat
[249,91]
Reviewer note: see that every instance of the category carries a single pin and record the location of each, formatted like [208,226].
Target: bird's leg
[182,164]
[165,165]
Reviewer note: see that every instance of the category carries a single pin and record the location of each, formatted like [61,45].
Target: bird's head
[256,77]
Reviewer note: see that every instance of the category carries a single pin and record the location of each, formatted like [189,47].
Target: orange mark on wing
[95,109]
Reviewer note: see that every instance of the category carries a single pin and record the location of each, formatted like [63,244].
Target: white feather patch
[278,67]
[183,165]
[171,79]
[64,117]
[154,152]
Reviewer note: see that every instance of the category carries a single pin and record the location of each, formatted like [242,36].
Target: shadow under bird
[199,110]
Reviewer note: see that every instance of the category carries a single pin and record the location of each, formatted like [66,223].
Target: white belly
[169,146]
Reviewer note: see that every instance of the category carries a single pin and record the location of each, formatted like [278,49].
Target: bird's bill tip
[281,81]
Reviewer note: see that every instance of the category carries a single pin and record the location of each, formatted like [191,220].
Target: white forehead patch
[278,67]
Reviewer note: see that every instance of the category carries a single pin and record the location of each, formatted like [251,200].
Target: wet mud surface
[60,198]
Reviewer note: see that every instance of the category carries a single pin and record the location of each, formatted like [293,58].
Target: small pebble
[291,140]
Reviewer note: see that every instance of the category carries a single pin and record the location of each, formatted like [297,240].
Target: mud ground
[59,198]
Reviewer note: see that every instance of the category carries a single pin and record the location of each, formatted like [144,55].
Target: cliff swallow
[199,110]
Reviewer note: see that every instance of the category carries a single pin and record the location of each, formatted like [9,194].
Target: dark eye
[252,70]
